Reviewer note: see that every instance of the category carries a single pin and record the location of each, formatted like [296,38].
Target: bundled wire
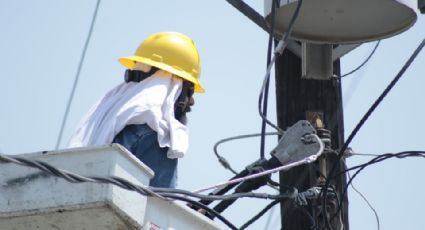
[75,178]
[332,172]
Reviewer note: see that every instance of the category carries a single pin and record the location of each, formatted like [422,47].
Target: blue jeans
[142,141]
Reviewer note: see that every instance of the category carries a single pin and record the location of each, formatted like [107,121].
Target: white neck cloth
[150,102]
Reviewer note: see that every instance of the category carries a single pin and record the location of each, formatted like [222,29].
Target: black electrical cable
[77,75]
[363,120]
[375,160]
[292,22]
[266,88]
[279,49]
[206,208]
[269,219]
[259,215]
[381,158]
[309,216]
[364,62]
[274,183]
[367,202]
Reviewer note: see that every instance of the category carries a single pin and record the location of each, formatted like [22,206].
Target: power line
[206,208]
[375,160]
[380,99]
[75,178]
[269,219]
[364,62]
[367,201]
[77,75]
[266,89]
[364,119]
[300,200]
[278,51]
[364,154]
[260,214]
[309,216]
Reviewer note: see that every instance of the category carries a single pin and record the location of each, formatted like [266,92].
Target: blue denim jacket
[142,141]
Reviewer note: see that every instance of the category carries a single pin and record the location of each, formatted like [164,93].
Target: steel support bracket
[317,59]
[337,52]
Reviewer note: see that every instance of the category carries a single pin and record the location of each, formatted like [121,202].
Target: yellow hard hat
[170,51]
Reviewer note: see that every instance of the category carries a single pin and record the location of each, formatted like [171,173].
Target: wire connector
[280,47]
[311,193]
[298,143]
[348,152]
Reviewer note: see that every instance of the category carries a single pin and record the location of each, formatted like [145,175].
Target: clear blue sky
[41,43]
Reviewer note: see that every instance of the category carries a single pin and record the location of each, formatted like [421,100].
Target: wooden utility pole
[305,99]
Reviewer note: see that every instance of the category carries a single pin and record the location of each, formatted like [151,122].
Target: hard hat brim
[129,63]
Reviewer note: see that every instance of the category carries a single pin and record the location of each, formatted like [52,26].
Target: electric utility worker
[147,112]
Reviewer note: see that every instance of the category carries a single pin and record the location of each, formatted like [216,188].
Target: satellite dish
[342,21]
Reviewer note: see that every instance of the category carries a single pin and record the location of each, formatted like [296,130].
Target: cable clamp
[348,152]
[297,143]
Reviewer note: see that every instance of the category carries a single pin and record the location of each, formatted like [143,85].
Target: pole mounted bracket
[317,59]
[297,143]
[337,52]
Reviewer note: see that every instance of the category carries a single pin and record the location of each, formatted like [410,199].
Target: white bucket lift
[31,199]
